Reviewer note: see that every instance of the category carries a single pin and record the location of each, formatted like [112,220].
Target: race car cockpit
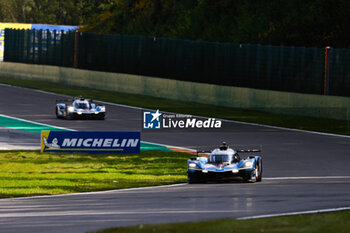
[81,105]
[220,158]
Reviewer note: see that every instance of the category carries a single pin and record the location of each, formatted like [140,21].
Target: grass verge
[288,121]
[335,222]
[30,173]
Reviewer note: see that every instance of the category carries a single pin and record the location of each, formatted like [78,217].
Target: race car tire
[68,116]
[56,110]
[247,177]
[260,169]
[192,179]
[101,117]
[255,175]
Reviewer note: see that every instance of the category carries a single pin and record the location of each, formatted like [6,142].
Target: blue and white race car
[79,108]
[225,163]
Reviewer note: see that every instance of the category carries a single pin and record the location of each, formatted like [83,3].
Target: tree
[15,10]
[297,22]
[64,12]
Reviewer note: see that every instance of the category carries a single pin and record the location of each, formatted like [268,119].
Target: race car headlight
[192,165]
[248,164]
[70,109]
[103,109]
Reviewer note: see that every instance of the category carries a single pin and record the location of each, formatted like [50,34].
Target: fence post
[28,45]
[75,65]
[54,54]
[16,45]
[48,46]
[326,70]
[40,46]
[34,57]
[62,48]
[20,45]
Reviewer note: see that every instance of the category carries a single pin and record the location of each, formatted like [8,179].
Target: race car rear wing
[240,151]
[249,151]
[64,100]
[72,99]
[198,152]
[205,152]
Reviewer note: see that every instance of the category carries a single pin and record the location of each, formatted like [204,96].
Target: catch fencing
[39,47]
[294,69]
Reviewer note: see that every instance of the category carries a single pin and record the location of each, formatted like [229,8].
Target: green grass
[335,222]
[30,173]
[289,121]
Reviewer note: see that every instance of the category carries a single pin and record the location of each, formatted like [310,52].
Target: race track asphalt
[302,171]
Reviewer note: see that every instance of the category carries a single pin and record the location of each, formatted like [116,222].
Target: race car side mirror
[236,158]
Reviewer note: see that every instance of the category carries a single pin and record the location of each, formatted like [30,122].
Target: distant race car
[79,108]
[225,163]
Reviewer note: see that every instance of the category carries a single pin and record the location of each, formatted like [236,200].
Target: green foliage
[63,12]
[15,10]
[299,22]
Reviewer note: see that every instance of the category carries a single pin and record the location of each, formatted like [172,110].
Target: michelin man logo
[53,144]
[152,120]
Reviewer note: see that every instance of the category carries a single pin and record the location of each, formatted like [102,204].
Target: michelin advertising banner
[3,26]
[90,141]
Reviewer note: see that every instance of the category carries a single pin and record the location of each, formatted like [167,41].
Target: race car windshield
[219,158]
[81,105]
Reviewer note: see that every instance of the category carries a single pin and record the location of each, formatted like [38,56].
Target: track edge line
[295,213]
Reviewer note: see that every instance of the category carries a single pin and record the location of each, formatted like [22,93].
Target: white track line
[96,192]
[36,123]
[237,122]
[288,129]
[165,186]
[177,147]
[295,213]
[306,178]
[67,96]
[49,213]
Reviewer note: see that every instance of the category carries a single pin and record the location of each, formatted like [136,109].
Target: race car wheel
[101,117]
[255,175]
[68,116]
[248,177]
[259,171]
[190,181]
[57,112]
[193,179]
